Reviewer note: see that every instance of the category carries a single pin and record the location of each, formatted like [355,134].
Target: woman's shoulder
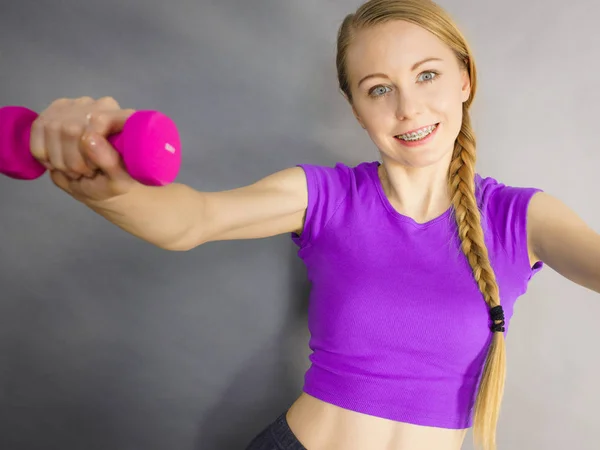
[504,205]
[490,190]
[342,168]
[339,177]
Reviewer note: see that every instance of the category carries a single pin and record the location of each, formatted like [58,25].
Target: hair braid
[461,178]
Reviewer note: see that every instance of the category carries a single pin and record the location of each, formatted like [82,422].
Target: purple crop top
[398,327]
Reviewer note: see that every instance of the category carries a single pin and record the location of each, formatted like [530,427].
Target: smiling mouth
[421,134]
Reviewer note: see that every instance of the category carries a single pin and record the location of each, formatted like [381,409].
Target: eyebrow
[413,68]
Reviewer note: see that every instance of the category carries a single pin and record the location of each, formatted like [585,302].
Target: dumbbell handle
[149,145]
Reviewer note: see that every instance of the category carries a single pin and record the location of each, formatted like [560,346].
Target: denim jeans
[277,436]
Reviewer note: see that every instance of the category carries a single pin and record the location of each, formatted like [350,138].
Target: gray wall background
[109,343]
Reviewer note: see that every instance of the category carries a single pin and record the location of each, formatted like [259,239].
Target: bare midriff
[322,426]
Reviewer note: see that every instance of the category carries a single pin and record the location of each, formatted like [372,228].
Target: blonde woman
[415,261]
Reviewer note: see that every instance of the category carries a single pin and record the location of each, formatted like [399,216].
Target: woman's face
[404,79]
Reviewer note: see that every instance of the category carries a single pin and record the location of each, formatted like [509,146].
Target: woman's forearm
[166,216]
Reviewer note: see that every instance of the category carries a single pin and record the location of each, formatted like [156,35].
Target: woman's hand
[70,139]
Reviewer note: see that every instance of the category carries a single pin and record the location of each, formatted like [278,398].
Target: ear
[466,85]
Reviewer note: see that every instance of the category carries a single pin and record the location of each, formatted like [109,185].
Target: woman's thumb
[103,155]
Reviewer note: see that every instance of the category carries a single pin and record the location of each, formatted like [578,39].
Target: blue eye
[431,78]
[378,91]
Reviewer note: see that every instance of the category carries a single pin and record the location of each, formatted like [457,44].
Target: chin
[418,157]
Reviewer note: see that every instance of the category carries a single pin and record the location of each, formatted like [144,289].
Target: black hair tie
[497,314]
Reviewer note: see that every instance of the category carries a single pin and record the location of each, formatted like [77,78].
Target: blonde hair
[461,182]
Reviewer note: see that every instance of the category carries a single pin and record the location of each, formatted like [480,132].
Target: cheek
[447,105]
[453,119]
[377,114]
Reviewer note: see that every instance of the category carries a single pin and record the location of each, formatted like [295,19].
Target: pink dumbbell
[149,145]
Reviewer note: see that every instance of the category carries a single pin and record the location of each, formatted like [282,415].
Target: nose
[408,106]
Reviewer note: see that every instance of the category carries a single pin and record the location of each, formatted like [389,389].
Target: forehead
[392,46]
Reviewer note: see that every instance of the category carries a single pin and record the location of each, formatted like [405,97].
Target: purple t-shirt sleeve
[327,189]
[507,209]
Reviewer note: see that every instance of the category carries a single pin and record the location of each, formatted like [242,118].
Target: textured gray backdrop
[109,343]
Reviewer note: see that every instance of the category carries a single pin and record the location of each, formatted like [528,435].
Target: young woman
[415,261]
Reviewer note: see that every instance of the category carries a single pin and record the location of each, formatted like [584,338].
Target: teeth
[418,135]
